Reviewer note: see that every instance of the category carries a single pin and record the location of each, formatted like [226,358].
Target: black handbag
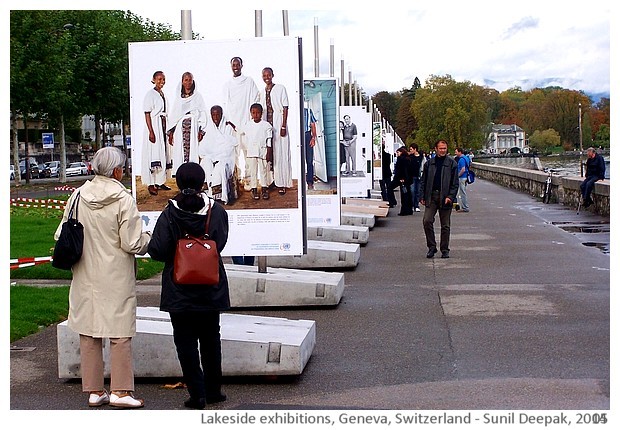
[68,248]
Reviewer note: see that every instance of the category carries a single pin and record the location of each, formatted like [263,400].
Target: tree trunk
[63,151]
[15,140]
[26,152]
[97,132]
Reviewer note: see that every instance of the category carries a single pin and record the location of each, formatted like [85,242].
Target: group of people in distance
[436,183]
[241,144]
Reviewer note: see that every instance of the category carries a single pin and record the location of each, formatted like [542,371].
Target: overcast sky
[496,44]
[385,44]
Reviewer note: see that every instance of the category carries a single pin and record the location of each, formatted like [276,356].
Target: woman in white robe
[154,154]
[275,111]
[217,154]
[187,123]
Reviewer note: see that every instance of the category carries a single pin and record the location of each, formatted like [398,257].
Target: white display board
[263,227]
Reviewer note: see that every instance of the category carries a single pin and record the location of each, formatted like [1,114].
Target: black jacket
[449,180]
[178,298]
[402,171]
[595,166]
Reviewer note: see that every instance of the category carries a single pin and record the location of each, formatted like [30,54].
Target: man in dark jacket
[595,171]
[439,185]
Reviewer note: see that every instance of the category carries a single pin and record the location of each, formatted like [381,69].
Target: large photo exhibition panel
[356,143]
[263,199]
[323,198]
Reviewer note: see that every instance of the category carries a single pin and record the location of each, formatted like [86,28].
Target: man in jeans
[463,169]
[438,186]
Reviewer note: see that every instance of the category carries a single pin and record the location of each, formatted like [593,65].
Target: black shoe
[215,399]
[265,194]
[195,403]
[255,195]
[163,187]
[445,254]
[588,203]
[431,253]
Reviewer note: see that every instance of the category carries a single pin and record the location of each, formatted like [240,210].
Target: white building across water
[503,138]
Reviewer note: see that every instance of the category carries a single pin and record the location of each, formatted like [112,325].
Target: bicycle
[546,195]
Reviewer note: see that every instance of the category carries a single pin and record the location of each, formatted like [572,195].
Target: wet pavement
[518,318]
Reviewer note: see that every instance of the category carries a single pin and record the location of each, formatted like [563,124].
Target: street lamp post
[580,143]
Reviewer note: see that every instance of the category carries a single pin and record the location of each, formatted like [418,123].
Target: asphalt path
[518,318]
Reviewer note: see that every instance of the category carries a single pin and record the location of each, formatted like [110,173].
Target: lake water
[564,165]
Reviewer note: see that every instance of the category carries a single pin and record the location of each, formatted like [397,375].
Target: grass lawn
[32,235]
[33,308]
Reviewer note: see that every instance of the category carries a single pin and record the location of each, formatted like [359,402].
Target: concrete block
[339,233]
[363,209]
[356,219]
[283,287]
[320,255]
[251,346]
[365,202]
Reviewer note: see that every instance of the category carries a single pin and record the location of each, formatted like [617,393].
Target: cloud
[526,23]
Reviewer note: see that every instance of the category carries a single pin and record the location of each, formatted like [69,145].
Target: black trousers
[199,349]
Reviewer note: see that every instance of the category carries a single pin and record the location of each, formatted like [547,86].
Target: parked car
[76,169]
[34,169]
[54,167]
[44,171]
[12,172]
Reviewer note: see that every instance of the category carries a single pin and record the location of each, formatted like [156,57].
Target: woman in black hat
[194,309]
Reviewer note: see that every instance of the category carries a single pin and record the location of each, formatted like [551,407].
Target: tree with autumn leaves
[463,112]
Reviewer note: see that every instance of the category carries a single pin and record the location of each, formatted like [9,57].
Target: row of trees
[66,64]
[463,112]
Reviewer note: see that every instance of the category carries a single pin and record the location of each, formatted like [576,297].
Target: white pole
[285,22]
[341,80]
[350,89]
[331,58]
[316,47]
[186,24]
[258,23]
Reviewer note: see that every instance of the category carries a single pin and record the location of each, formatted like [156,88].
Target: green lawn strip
[32,235]
[34,308]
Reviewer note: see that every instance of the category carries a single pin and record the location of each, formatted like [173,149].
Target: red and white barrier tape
[38,203]
[18,263]
[64,188]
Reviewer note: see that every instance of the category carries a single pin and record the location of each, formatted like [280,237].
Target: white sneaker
[125,401]
[95,399]
[417,209]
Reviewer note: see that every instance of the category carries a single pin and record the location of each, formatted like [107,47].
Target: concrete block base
[251,346]
[283,287]
[340,233]
[320,255]
[356,219]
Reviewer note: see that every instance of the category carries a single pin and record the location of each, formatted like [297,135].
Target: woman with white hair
[102,297]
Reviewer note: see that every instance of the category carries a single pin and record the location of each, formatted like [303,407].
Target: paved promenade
[517,318]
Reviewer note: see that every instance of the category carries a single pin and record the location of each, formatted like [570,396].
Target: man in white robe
[240,92]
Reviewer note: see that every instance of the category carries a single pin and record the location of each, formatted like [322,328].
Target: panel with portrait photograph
[234,107]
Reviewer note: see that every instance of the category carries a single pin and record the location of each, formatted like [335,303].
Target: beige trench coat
[102,298]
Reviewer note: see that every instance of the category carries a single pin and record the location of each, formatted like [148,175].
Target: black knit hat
[190,176]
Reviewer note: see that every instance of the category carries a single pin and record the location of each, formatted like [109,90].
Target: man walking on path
[595,171]
[439,186]
[463,168]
